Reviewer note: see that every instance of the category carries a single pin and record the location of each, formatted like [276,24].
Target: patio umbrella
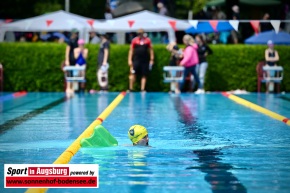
[262,38]
[45,36]
[206,27]
[60,35]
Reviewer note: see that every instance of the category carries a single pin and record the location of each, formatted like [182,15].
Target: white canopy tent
[55,21]
[147,20]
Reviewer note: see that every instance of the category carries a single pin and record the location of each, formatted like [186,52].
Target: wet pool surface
[200,143]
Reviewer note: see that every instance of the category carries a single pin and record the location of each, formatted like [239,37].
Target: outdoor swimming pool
[200,143]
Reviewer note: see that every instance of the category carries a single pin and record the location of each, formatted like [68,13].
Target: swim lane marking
[66,156]
[257,108]
[19,120]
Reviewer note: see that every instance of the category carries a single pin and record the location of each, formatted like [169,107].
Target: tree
[181,8]
[41,7]
[19,9]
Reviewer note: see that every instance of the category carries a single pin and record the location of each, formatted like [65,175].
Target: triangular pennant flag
[255,25]
[111,22]
[172,24]
[276,25]
[131,23]
[193,23]
[235,24]
[213,24]
[49,22]
[91,22]
[8,20]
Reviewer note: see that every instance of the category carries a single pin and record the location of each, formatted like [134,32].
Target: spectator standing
[162,9]
[69,56]
[175,57]
[140,59]
[103,65]
[190,60]
[108,13]
[220,14]
[203,50]
[265,25]
[235,16]
[94,38]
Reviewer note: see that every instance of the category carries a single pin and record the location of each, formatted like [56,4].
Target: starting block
[275,72]
[72,74]
[173,74]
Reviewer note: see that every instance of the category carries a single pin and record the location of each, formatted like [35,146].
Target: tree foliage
[20,9]
[45,7]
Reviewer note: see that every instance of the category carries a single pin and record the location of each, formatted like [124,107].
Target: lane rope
[257,108]
[67,155]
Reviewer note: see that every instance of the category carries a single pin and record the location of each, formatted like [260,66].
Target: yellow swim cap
[136,133]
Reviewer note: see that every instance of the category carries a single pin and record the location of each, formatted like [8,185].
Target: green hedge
[36,67]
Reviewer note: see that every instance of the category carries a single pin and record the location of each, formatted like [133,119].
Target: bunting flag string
[255,25]
[214,24]
[235,24]
[193,23]
[276,25]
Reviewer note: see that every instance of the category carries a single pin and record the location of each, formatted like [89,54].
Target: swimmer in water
[138,135]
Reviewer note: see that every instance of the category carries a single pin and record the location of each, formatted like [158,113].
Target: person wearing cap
[271,55]
[138,135]
[271,58]
[81,54]
[140,59]
[103,65]
[69,56]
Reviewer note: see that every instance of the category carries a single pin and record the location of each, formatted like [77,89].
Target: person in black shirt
[103,64]
[203,50]
[175,57]
[265,25]
[69,57]
[140,59]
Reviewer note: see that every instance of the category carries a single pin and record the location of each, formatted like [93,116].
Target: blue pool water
[200,143]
